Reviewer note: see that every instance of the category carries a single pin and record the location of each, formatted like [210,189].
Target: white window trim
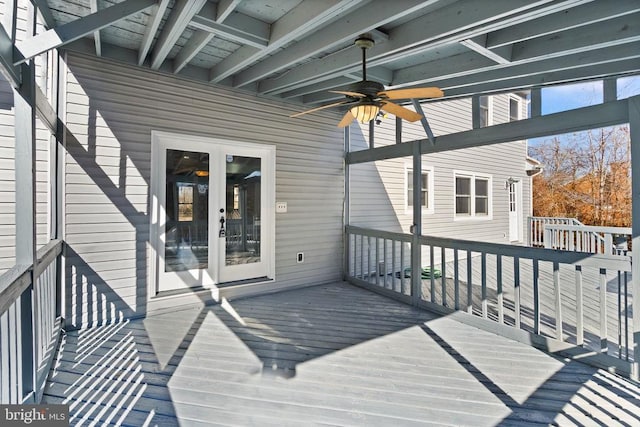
[490,120]
[473,216]
[408,210]
[519,100]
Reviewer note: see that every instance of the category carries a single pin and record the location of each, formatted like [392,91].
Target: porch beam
[225,8]
[441,27]
[96,35]
[45,13]
[602,115]
[25,166]
[300,21]
[344,30]
[563,20]
[478,45]
[181,14]
[256,39]
[634,133]
[203,36]
[424,121]
[468,68]
[155,18]
[79,28]
[196,43]
[8,55]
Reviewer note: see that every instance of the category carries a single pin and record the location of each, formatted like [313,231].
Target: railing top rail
[379,233]
[14,281]
[592,228]
[587,259]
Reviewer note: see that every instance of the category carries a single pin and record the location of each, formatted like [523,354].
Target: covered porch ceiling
[297,50]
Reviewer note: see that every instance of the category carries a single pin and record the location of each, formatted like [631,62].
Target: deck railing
[536,226]
[569,234]
[586,238]
[29,325]
[576,299]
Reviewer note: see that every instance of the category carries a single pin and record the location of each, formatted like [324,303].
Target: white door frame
[209,278]
[515,216]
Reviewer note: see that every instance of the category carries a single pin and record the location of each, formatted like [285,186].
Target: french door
[212,219]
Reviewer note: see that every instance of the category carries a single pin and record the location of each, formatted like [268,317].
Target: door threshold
[251,281]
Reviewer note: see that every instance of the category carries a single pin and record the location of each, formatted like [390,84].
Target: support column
[536,102]
[416,247]
[25,148]
[347,201]
[634,128]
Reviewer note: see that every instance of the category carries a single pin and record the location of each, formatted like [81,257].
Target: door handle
[222,232]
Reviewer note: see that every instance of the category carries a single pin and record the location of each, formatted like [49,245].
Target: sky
[568,97]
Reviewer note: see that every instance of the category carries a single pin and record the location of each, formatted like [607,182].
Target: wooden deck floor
[327,355]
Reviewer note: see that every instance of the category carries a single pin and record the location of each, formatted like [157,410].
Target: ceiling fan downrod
[364,42]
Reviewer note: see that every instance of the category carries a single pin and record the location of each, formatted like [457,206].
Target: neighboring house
[480,193]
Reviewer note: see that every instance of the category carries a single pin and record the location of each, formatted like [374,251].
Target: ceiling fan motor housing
[367,87]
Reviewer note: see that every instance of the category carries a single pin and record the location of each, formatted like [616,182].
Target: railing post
[634,133]
[529,231]
[416,247]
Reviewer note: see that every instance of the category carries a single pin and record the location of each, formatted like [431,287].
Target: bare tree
[586,176]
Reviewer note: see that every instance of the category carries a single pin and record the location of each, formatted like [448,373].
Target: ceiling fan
[366,98]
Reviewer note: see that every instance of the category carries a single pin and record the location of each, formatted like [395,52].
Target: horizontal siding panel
[108,173]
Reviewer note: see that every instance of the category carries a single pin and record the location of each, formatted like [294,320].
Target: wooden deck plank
[343,356]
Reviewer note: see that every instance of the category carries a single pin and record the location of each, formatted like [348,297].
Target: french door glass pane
[243,201]
[187,211]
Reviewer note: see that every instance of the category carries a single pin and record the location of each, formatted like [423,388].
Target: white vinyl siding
[111,111]
[377,189]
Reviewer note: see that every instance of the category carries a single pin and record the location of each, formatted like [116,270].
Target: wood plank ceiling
[299,49]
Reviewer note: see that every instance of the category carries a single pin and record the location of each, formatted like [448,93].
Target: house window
[514,109]
[426,192]
[473,196]
[485,111]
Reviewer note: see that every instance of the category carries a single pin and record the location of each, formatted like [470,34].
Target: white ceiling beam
[81,27]
[93,4]
[198,40]
[578,16]
[301,20]
[376,14]
[181,14]
[459,21]
[589,72]
[202,37]
[225,8]
[155,18]
[252,38]
[464,71]
[602,115]
[321,88]
[601,35]
[478,45]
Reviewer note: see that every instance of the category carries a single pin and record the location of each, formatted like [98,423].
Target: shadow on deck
[331,354]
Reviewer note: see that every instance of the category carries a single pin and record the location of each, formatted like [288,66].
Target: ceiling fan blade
[322,107]
[349,93]
[405,113]
[346,120]
[418,92]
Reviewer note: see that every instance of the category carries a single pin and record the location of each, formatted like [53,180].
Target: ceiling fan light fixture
[364,113]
